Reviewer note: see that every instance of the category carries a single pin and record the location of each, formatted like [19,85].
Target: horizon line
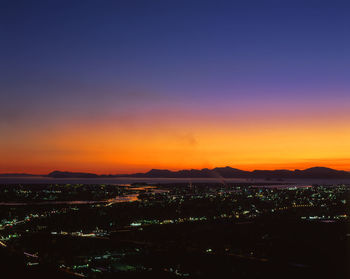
[168,169]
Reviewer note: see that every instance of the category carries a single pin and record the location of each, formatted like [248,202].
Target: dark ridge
[220,172]
[67,174]
[17,175]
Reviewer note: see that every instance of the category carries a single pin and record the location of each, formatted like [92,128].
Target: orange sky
[181,140]
[121,87]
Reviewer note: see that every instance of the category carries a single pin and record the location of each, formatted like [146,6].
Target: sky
[127,86]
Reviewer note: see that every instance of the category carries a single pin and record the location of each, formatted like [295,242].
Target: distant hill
[67,174]
[17,175]
[223,172]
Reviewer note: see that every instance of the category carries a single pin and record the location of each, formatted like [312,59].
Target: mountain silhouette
[219,172]
[67,174]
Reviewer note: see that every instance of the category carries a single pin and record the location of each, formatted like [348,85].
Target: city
[178,230]
[169,139]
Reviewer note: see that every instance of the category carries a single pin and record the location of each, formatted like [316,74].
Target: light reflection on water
[118,199]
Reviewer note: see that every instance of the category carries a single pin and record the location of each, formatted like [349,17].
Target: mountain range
[221,172]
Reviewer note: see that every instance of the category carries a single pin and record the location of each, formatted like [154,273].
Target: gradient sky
[125,86]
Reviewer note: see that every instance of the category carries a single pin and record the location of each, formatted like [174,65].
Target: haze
[126,86]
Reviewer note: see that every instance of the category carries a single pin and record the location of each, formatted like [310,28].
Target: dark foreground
[183,231]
